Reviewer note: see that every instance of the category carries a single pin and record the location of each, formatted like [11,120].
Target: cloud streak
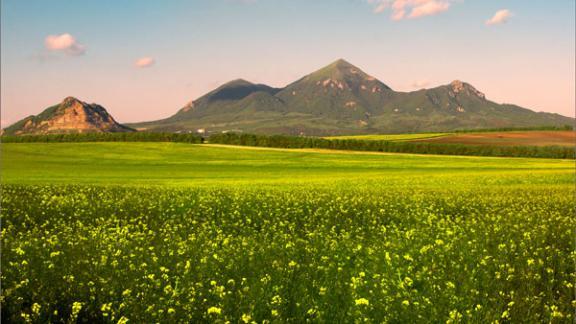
[64,43]
[410,9]
[144,62]
[500,17]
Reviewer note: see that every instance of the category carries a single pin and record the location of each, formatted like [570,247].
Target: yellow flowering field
[424,247]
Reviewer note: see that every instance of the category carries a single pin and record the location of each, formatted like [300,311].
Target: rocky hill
[69,116]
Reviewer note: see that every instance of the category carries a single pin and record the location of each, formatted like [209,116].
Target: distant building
[201,131]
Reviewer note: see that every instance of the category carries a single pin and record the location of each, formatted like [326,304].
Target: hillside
[342,99]
[69,116]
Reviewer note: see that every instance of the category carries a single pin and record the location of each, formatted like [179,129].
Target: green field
[191,165]
[167,232]
[391,137]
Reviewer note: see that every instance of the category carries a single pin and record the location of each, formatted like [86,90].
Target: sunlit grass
[191,165]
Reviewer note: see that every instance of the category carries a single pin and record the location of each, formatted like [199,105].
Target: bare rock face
[70,116]
[459,86]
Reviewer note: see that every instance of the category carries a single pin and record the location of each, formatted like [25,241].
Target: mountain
[337,99]
[236,100]
[69,116]
[342,99]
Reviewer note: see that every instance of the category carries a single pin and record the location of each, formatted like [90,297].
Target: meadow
[170,232]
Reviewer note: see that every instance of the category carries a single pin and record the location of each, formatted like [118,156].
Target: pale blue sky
[197,45]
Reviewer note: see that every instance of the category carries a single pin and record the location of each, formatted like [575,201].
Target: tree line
[105,137]
[281,141]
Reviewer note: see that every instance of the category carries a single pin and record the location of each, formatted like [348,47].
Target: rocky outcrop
[70,116]
[463,87]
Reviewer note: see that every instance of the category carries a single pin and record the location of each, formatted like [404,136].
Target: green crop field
[191,165]
[168,232]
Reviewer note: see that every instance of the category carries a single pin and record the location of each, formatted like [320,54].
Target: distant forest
[282,141]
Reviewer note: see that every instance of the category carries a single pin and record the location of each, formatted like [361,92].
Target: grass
[185,164]
[167,232]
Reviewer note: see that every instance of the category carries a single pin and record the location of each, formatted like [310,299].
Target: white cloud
[64,43]
[144,62]
[500,17]
[403,9]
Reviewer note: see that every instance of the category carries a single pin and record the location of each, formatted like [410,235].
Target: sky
[145,59]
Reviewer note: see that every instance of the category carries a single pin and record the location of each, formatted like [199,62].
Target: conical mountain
[69,116]
[339,90]
[340,75]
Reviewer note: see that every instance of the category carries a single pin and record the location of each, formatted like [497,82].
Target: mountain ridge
[340,98]
[337,99]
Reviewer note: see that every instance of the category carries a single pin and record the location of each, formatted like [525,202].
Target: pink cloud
[144,62]
[500,17]
[64,43]
[429,8]
[402,9]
